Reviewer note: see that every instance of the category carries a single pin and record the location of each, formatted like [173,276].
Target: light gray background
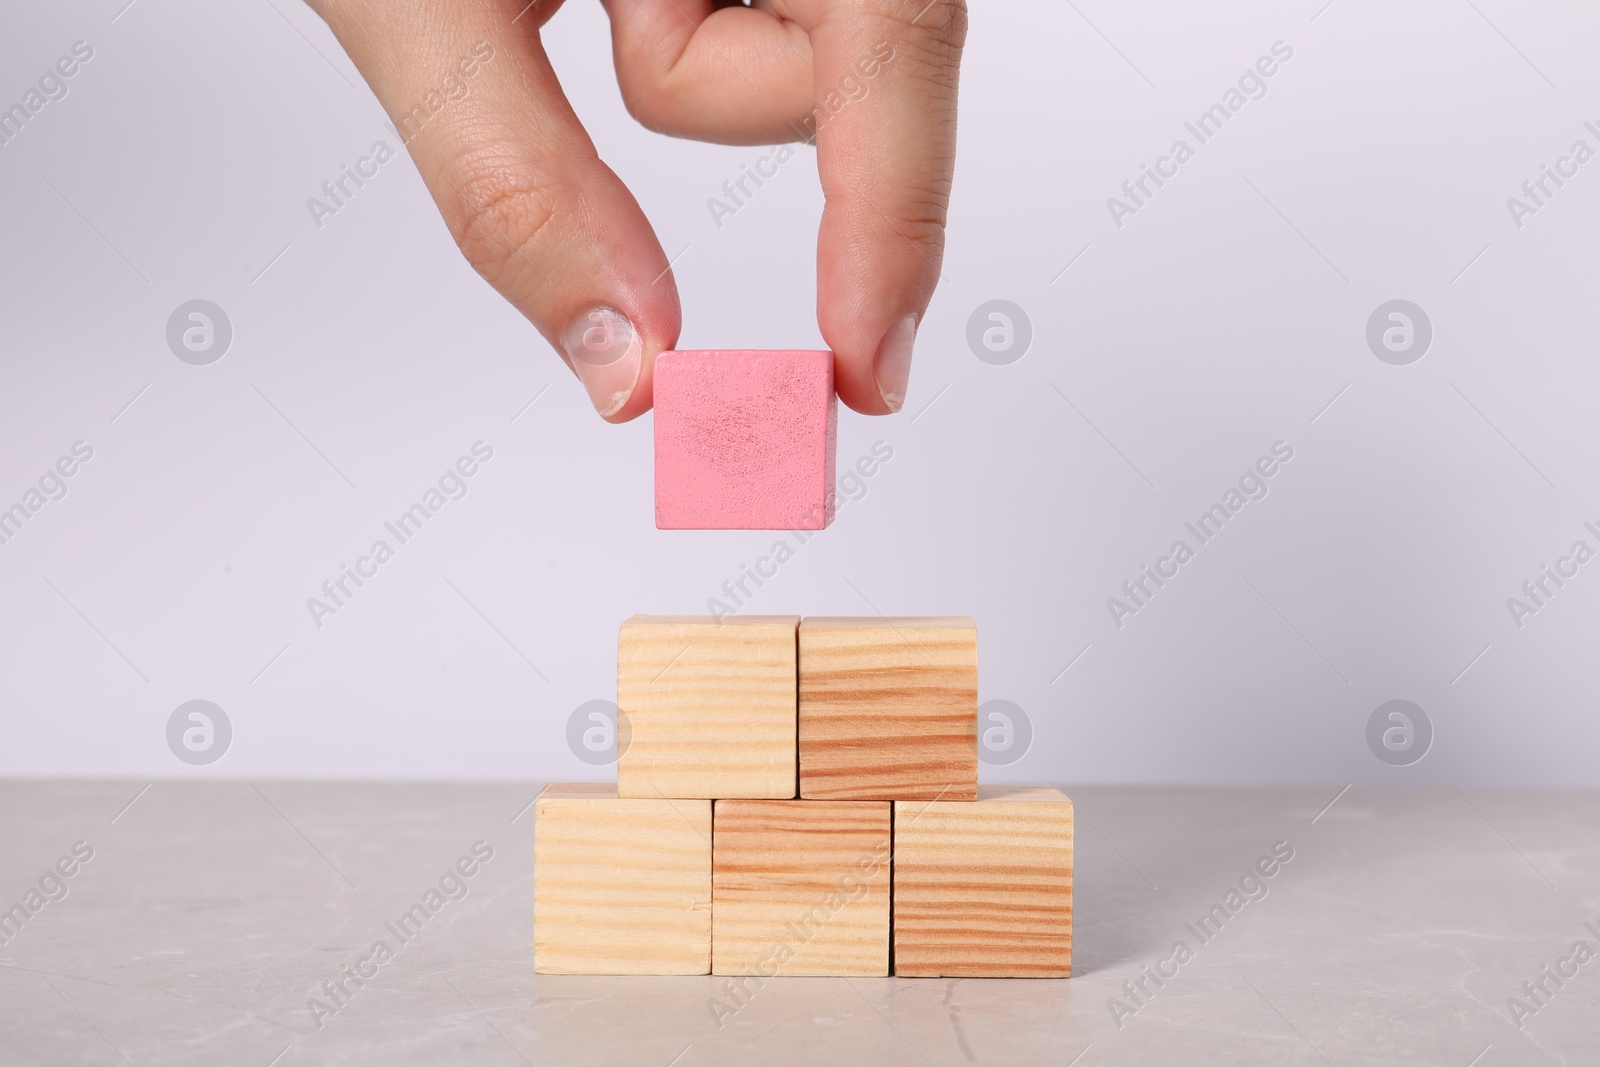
[1223,317]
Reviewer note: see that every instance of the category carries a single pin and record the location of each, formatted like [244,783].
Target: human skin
[548,224]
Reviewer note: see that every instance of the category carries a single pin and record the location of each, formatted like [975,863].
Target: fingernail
[892,364]
[605,351]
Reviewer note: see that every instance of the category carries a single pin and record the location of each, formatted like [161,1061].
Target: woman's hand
[535,211]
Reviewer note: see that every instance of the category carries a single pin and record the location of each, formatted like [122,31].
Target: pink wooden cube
[744,440]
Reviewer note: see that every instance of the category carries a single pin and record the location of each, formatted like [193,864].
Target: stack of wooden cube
[800,797]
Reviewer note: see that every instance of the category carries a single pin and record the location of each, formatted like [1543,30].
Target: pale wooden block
[620,886]
[800,887]
[707,707]
[888,708]
[983,889]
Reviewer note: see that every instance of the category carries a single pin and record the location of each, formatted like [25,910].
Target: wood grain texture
[620,886]
[800,887]
[707,707]
[984,889]
[888,709]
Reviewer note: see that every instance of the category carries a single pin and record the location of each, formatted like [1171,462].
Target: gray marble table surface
[221,922]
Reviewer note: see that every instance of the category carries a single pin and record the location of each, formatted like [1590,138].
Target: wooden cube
[984,889]
[800,887]
[888,709]
[620,886]
[745,440]
[707,706]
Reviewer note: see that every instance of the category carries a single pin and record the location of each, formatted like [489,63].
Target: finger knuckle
[506,212]
[643,96]
[653,93]
[645,74]
[938,27]
[922,220]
